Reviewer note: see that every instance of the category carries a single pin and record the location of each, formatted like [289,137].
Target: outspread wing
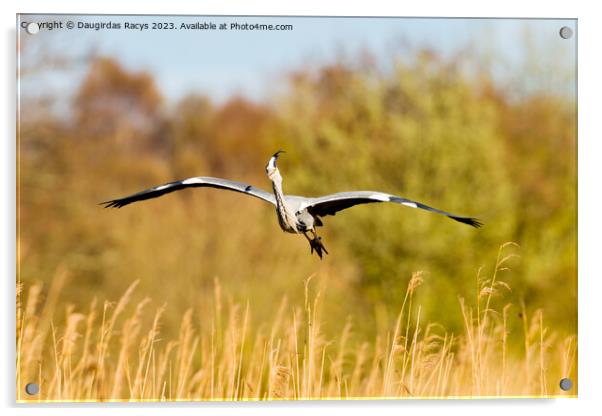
[197,182]
[331,204]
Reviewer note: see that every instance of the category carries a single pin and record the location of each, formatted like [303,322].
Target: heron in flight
[296,214]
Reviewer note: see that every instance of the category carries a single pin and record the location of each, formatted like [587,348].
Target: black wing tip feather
[468,220]
[116,203]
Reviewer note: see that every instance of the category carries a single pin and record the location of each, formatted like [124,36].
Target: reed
[108,353]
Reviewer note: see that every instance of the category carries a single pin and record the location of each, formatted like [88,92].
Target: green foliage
[426,132]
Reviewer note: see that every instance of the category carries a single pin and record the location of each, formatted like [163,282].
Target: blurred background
[473,116]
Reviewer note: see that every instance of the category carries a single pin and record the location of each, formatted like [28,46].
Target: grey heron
[296,214]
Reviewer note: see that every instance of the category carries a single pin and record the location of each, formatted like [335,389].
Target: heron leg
[315,243]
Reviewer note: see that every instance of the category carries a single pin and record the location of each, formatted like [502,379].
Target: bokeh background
[473,116]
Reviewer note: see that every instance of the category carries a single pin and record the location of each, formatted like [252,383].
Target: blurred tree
[190,127]
[429,132]
[232,140]
[120,105]
[239,133]
[540,140]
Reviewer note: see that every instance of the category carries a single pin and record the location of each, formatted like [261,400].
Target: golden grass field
[221,353]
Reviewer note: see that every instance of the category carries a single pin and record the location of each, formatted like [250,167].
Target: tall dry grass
[109,352]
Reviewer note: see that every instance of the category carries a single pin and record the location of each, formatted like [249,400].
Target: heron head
[271,166]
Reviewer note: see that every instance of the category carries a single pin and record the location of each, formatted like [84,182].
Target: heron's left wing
[331,204]
[197,182]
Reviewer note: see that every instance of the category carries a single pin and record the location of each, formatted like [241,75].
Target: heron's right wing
[331,204]
[196,182]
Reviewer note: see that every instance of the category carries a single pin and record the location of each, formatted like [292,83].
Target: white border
[590,136]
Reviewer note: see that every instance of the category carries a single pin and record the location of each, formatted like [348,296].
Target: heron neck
[277,187]
[286,216]
[281,204]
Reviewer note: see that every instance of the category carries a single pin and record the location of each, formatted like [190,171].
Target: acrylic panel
[177,184]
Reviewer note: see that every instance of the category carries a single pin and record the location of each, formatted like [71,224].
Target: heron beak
[272,162]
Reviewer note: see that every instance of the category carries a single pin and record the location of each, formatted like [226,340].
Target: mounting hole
[566,384]
[32,388]
[32,28]
[566,32]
